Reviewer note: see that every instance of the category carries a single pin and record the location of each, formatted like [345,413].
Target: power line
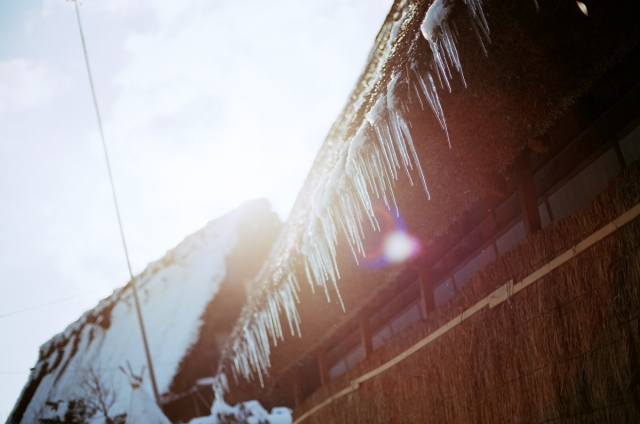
[111,369]
[115,202]
[53,302]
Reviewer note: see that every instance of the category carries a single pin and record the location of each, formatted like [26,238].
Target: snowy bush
[250,412]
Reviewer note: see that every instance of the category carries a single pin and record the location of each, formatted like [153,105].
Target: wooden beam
[426,290]
[207,404]
[323,367]
[196,406]
[549,209]
[365,334]
[298,396]
[527,194]
[619,155]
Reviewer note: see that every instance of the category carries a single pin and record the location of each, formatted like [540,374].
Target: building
[189,299]
[464,248]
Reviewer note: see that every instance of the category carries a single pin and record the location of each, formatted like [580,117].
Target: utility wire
[80,371]
[53,302]
[115,202]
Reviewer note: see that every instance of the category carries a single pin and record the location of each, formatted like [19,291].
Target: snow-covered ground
[250,412]
[174,293]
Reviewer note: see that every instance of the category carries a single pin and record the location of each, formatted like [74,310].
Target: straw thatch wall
[567,349]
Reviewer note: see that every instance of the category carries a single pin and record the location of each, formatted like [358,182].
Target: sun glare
[400,246]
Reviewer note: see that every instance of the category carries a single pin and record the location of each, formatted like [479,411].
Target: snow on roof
[143,409]
[174,293]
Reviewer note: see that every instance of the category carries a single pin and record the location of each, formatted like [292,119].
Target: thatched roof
[538,62]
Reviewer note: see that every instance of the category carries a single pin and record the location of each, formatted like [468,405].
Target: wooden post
[205,403]
[365,334]
[323,367]
[527,192]
[196,407]
[426,290]
[297,389]
[619,154]
[549,210]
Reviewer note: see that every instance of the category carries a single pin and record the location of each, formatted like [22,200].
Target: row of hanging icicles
[367,166]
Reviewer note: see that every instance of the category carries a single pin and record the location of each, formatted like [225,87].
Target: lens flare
[394,244]
[400,246]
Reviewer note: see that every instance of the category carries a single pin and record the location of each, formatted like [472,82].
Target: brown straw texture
[566,349]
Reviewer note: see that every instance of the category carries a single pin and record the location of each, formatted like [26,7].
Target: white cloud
[254,85]
[25,84]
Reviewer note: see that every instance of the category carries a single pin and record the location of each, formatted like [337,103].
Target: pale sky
[205,103]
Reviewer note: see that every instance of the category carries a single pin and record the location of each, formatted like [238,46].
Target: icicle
[479,20]
[428,89]
[583,8]
[287,296]
[362,169]
[367,167]
[436,30]
[403,137]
